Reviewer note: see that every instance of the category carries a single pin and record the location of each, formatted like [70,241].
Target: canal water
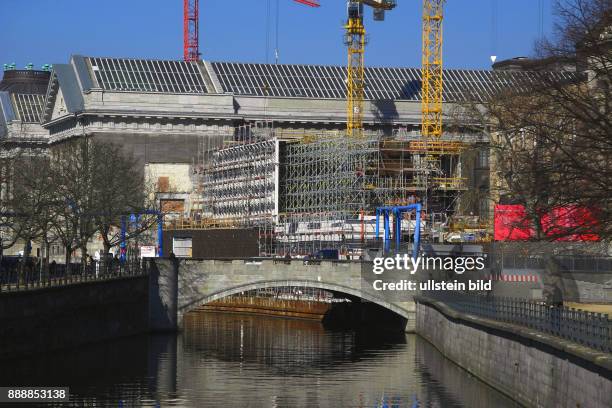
[230,360]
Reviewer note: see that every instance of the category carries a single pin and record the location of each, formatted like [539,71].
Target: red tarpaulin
[571,223]
[511,223]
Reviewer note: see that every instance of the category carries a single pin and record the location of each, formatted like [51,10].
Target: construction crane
[191,41]
[432,63]
[432,79]
[355,40]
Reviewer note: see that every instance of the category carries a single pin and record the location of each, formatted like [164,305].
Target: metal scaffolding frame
[331,186]
[306,191]
[240,184]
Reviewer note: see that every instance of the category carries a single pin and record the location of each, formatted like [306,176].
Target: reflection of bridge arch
[340,289]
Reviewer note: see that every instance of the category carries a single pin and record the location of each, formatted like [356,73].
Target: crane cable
[276,56]
[541,20]
[267,31]
[494,29]
[276,30]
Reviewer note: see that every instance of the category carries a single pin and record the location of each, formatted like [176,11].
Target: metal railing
[589,329]
[569,263]
[14,277]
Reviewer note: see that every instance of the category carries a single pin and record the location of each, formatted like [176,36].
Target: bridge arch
[350,292]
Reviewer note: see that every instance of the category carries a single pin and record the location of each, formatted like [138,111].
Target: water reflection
[224,360]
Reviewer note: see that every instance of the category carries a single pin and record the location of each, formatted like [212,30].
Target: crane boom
[380,4]
[310,3]
[433,84]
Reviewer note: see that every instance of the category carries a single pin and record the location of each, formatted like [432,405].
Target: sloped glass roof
[301,81]
[29,107]
[328,82]
[140,75]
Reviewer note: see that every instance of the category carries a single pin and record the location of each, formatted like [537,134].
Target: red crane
[310,3]
[191,42]
[191,17]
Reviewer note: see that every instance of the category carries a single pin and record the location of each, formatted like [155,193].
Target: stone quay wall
[534,369]
[51,318]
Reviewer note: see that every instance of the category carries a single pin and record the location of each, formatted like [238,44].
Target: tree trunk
[84,258]
[47,255]
[68,258]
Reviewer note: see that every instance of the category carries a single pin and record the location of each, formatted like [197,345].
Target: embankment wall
[532,368]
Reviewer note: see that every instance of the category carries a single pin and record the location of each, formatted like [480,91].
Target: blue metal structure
[397,212]
[134,218]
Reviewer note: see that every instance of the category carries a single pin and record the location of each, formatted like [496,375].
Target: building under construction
[264,145]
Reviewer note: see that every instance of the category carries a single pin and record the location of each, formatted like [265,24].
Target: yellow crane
[355,40]
[432,64]
[432,80]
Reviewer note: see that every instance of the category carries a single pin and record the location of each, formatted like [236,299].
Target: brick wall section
[532,373]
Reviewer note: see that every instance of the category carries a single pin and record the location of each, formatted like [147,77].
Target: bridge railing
[18,277]
[565,263]
[589,329]
[281,260]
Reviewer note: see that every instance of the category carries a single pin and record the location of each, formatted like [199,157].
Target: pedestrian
[97,263]
[91,264]
[175,262]
[115,264]
[29,268]
[109,263]
[52,268]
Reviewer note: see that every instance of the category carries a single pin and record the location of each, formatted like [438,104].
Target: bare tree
[72,172]
[32,199]
[97,188]
[120,192]
[9,236]
[551,136]
[79,189]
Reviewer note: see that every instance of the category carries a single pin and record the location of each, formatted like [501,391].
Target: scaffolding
[306,191]
[240,185]
[331,187]
[214,138]
[241,182]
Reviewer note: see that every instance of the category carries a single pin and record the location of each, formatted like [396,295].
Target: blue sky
[49,31]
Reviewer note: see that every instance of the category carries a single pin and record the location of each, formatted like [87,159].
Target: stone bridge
[203,281]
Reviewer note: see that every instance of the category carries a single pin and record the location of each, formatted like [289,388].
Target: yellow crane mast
[433,84]
[355,41]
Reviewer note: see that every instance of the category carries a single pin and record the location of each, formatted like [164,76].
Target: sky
[49,31]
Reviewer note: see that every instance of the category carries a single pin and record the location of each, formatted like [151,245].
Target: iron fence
[589,329]
[565,263]
[25,275]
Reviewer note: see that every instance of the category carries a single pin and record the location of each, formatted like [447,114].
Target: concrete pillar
[163,295]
